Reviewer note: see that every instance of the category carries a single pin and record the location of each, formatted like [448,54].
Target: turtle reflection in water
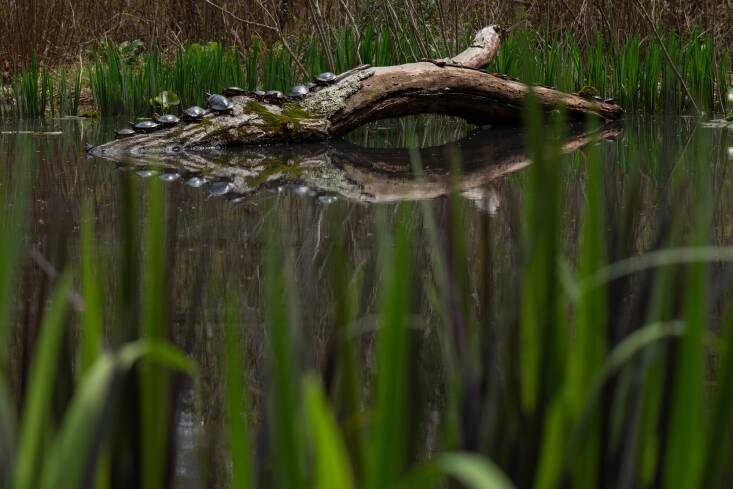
[195,182]
[170,176]
[221,187]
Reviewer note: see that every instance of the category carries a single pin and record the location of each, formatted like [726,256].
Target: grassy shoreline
[123,78]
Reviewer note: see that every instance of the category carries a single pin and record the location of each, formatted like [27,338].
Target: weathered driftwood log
[454,86]
[358,173]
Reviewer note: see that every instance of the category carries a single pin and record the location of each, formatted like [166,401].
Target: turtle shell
[146,126]
[168,120]
[194,113]
[310,85]
[147,173]
[219,103]
[125,132]
[274,94]
[325,77]
[195,182]
[170,176]
[259,93]
[221,187]
[234,91]
[298,91]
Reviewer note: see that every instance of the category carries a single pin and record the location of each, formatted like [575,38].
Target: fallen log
[454,86]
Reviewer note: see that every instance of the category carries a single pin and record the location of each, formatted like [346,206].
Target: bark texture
[453,86]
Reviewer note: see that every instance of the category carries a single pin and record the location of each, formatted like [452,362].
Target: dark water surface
[219,205]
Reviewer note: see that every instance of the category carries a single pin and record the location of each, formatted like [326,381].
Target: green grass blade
[685,441]
[90,337]
[719,421]
[13,215]
[473,471]
[287,441]
[386,451]
[73,458]
[154,380]
[237,407]
[41,386]
[8,434]
[332,469]
[72,461]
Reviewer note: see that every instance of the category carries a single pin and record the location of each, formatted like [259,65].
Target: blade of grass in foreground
[287,438]
[720,419]
[72,461]
[8,435]
[333,470]
[14,199]
[237,407]
[685,442]
[387,449]
[154,380]
[588,349]
[473,471]
[90,335]
[41,386]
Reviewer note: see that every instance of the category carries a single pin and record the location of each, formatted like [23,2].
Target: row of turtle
[217,104]
[223,187]
[296,92]
[220,104]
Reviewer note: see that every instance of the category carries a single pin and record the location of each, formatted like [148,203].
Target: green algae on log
[455,86]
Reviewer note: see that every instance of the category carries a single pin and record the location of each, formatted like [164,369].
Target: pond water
[219,206]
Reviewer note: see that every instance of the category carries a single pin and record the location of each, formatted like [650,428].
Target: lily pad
[165,100]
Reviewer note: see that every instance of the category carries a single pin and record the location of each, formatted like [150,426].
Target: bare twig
[239,19]
[666,54]
[357,31]
[315,11]
[283,40]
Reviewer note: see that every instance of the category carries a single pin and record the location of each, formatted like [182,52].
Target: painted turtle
[168,120]
[277,94]
[194,113]
[259,93]
[298,91]
[146,126]
[219,103]
[125,132]
[325,78]
[234,91]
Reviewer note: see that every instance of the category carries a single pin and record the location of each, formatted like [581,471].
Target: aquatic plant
[632,70]
[577,358]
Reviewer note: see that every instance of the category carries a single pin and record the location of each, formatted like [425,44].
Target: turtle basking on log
[454,86]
